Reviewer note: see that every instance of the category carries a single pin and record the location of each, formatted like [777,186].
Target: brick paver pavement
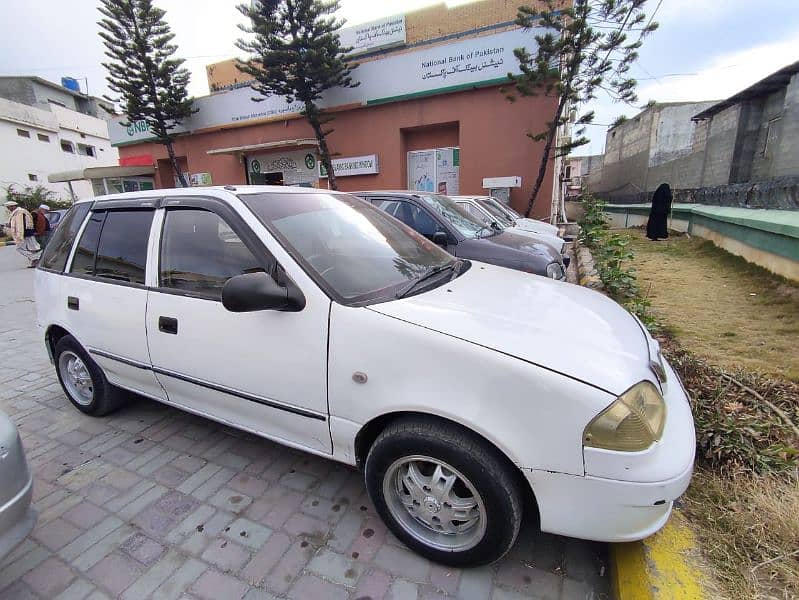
[151,502]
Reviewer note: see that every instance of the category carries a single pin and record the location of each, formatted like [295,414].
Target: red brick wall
[490,131]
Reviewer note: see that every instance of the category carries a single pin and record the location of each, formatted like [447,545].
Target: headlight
[554,271]
[631,423]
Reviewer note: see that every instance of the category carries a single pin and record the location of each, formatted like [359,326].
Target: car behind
[17,517]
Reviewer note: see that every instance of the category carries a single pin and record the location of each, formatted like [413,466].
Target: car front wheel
[444,492]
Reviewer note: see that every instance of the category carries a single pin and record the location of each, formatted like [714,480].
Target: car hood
[556,325]
[524,243]
[536,226]
[552,241]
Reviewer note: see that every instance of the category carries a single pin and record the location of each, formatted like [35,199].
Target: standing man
[21,224]
[42,225]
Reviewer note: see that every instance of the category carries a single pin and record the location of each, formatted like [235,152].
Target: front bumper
[624,496]
[604,510]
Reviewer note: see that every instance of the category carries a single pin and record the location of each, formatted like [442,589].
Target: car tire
[445,492]
[83,381]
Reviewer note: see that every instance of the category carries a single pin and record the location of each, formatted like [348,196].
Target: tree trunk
[542,169]
[174,162]
[312,114]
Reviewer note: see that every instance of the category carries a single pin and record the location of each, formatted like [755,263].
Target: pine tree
[295,52]
[584,48]
[150,83]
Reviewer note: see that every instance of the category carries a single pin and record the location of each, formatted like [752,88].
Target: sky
[703,50]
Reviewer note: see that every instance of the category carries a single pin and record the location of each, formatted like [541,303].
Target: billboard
[435,69]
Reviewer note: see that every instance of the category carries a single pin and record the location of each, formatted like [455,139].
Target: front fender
[533,415]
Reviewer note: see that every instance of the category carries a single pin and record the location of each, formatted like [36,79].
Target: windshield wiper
[477,233]
[428,273]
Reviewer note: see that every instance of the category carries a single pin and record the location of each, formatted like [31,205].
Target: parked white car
[316,320]
[521,222]
[481,209]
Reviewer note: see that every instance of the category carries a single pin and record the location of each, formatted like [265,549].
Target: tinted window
[57,251]
[122,252]
[86,252]
[417,218]
[349,246]
[200,252]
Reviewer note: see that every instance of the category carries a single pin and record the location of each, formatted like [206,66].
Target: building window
[86,150]
[32,177]
[23,133]
[67,147]
[42,137]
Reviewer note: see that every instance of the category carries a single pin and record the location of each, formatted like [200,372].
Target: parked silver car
[17,517]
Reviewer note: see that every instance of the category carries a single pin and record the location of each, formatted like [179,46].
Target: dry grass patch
[749,528]
[719,305]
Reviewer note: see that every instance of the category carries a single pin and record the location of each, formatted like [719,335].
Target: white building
[46,128]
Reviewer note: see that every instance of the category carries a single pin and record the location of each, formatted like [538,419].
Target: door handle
[73,303]
[168,325]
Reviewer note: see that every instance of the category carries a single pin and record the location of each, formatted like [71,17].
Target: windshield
[507,210]
[496,211]
[467,225]
[349,247]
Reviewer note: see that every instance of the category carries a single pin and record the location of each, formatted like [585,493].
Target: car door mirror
[496,226]
[440,237]
[258,291]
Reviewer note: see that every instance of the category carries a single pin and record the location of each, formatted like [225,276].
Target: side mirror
[440,238]
[258,291]
[496,226]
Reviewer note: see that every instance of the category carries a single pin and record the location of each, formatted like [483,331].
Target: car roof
[215,191]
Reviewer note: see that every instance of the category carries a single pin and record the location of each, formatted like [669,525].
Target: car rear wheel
[83,381]
[444,492]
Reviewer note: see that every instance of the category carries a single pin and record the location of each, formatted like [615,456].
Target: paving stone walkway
[151,502]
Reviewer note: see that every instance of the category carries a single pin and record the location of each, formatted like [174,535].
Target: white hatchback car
[312,318]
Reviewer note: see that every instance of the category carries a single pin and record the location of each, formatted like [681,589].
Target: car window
[57,251]
[475,212]
[86,252]
[466,224]
[122,250]
[200,252]
[350,247]
[500,215]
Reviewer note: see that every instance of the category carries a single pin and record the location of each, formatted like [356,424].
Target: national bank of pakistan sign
[448,67]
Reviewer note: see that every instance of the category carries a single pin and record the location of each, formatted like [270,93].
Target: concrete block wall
[786,157]
[721,138]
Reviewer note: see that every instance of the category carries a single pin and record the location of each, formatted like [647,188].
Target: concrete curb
[659,567]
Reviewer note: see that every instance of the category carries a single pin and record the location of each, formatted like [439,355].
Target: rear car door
[106,295]
[263,371]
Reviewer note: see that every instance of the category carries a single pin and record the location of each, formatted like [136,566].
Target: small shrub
[612,255]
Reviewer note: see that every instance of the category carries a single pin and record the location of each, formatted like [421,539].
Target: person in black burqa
[656,227]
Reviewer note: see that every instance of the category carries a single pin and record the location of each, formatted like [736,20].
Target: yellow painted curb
[657,568]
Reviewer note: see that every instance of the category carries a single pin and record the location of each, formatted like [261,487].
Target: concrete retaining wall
[769,238]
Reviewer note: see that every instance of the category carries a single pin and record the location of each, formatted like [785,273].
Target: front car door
[262,371]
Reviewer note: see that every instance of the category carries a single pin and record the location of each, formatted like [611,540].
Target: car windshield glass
[497,212]
[466,224]
[348,246]
[504,208]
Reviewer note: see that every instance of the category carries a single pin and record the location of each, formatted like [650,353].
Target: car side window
[122,250]
[417,218]
[57,251]
[86,252]
[200,252]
